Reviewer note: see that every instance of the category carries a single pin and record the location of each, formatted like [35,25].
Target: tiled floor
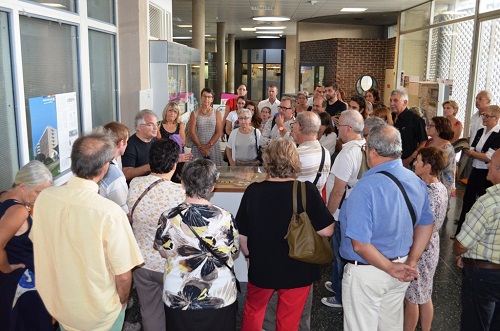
[446,295]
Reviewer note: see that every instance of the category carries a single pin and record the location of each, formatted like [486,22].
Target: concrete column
[221,58]
[134,56]
[230,63]
[198,15]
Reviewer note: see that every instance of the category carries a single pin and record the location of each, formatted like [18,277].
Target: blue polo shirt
[376,213]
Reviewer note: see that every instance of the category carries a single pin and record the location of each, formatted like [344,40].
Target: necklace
[205,112]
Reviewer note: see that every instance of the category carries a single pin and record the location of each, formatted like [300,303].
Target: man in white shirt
[279,126]
[305,133]
[271,101]
[483,100]
[343,177]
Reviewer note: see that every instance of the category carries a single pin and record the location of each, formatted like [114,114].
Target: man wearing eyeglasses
[271,101]
[135,160]
[279,126]
[485,143]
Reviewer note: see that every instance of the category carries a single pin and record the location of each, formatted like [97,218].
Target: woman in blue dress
[20,305]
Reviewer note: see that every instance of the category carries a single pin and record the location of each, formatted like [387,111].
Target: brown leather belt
[362,263]
[483,264]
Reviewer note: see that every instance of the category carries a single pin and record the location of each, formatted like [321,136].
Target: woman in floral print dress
[429,162]
[199,289]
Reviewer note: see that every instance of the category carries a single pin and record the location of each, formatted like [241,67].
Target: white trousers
[372,299]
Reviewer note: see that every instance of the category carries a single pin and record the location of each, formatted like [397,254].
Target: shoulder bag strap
[255,134]
[408,203]
[303,193]
[295,197]
[210,249]
[153,184]
[320,169]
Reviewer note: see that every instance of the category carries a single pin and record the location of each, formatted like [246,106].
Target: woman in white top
[232,118]
[243,143]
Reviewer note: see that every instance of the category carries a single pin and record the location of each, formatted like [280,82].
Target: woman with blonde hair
[21,307]
[450,110]
[262,232]
[171,125]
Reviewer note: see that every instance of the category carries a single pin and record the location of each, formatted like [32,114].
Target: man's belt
[362,263]
[483,264]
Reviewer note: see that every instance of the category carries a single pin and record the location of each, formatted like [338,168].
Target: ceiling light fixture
[248,29]
[53,5]
[270,27]
[183,38]
[270,32]
[267,37]
[271,18]
[353,10]
[185,25]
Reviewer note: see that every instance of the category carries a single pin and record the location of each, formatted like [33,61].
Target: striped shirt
[310,159]
[480,232]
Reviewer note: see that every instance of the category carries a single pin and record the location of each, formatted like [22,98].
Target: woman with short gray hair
[21,308]
[199,241]
[243,143]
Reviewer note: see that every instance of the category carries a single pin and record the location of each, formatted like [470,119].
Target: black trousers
[476,186]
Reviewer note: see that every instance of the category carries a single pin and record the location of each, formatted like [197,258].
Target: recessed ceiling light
[53,5]
[184,25]
[270,32]
[270,27]
[267,37]
[271,18]
[248,29]
[181,38]
[353,10]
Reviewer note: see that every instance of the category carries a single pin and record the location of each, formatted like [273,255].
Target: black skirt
[222,319]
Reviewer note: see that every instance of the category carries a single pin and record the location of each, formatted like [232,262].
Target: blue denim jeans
[480,299]
[338,262]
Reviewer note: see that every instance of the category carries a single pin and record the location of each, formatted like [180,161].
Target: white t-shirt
[243,146]
[346,168]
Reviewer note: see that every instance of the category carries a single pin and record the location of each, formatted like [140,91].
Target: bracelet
[246,256]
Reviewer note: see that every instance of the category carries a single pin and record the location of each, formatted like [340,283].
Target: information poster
[54,128]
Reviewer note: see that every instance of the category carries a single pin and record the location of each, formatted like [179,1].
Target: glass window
[446,10]
[257,79]
[273,55]
[450,59]
[488,5]
[69,5]
[102,77]
[257,56]
[103,10]
[273,76]
[413,52]
[416,17]
[488,70]
[9,161]
[50,69]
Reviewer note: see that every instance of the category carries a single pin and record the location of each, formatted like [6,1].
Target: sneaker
[328,286]
[331,302]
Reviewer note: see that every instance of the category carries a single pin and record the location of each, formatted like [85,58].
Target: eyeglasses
[487,116]
[243,118]
[285,108]
[207,96]
[431,125]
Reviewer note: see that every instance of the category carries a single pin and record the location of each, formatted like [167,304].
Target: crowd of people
[378,183]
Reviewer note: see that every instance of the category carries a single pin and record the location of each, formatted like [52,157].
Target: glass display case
[172,76]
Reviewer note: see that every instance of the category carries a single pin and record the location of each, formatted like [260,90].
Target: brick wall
[347,59]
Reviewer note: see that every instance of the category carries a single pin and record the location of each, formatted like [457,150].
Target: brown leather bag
[305,244]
